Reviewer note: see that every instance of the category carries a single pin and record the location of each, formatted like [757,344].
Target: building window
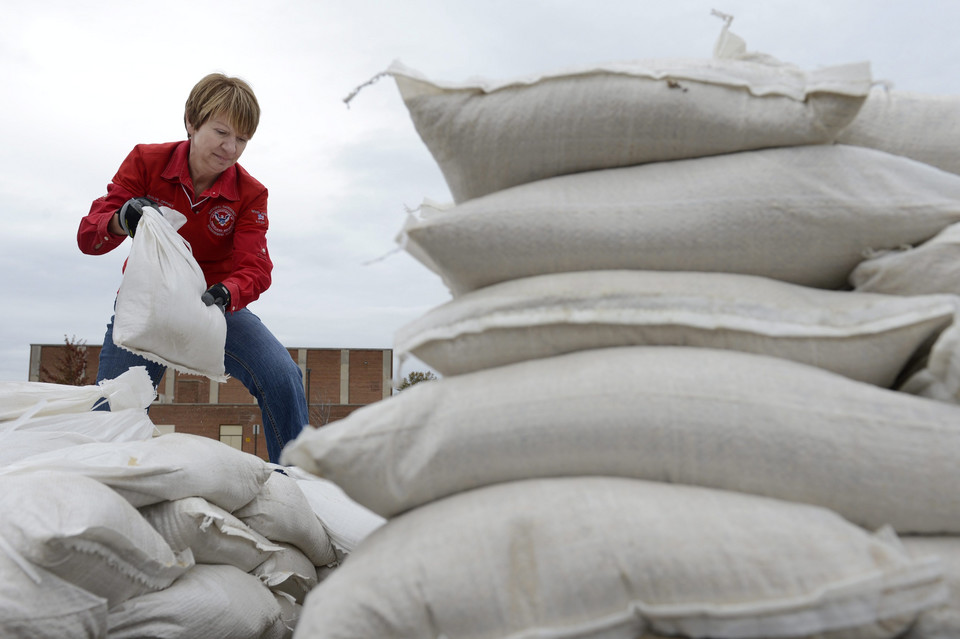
[232,434]
[163,429]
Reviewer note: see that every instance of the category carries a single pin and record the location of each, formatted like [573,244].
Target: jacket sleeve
[252,267]
[93,238]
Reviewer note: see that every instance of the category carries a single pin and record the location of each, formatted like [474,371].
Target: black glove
[132,211]
[217,294]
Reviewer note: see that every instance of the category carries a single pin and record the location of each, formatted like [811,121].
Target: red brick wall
[206,419]
[233,392]
[323,366]
[366,376]
[51,358]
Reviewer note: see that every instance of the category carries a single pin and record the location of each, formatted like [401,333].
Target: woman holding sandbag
[226,226]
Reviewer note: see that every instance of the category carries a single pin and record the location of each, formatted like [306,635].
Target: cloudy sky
[83,81]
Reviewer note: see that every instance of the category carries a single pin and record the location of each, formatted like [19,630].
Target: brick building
[338,381]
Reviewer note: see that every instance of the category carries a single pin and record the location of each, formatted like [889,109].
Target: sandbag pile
[663,410]
[107,531]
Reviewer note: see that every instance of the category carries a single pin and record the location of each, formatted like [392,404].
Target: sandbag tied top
[488,135]
[616,558]
[805,215]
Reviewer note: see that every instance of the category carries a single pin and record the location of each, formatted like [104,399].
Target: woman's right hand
[124,222]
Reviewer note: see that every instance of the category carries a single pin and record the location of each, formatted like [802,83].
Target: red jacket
[226,226]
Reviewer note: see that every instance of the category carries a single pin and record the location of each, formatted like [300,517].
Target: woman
[226,228]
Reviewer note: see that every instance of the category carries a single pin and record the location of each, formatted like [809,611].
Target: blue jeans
[255,357]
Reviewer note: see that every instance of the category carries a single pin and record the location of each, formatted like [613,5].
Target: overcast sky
[83,82]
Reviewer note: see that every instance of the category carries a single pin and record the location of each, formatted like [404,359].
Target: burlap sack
[208,601]
[281,513]
[932,266]
[867,337]
[346,522]
[163,468]
[707,417]
[86,534]
[35,603]
[213,535]
[805,215]
[487,136]
[288,571]
[921,126]
[159,314]
[131,389]
[618,558]
[126,425]
[942,622]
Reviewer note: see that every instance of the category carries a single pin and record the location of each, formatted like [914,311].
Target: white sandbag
[706,417]
[208,601]
[281,513]
[867,337]
[289,571]
[921,126]
[131,389]
[942,622]
[489,135]
[164,468]
[27,436]
[346,522]
[212,534]
[17,445]
[938,375]
[931,267]
[617,558]
[36,604]
[86,534]
[804,215]
[290,611]
[159,313]
[124,425]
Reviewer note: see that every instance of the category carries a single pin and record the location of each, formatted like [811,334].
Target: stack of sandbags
[922,127]
[663,412]
[124,534]
[36,417]
[764,432]
[123,507]
[24,400]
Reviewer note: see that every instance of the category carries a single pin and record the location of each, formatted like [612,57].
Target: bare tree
[320,413]
[72,367]
[415,377]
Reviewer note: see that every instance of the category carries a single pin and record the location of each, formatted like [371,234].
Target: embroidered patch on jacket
[260,216]
[222,219]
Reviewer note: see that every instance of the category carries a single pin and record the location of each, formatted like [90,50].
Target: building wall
[337,382]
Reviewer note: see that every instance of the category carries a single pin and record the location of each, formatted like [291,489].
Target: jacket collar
[178,169]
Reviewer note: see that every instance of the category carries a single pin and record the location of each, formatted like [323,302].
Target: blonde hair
[217,93]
